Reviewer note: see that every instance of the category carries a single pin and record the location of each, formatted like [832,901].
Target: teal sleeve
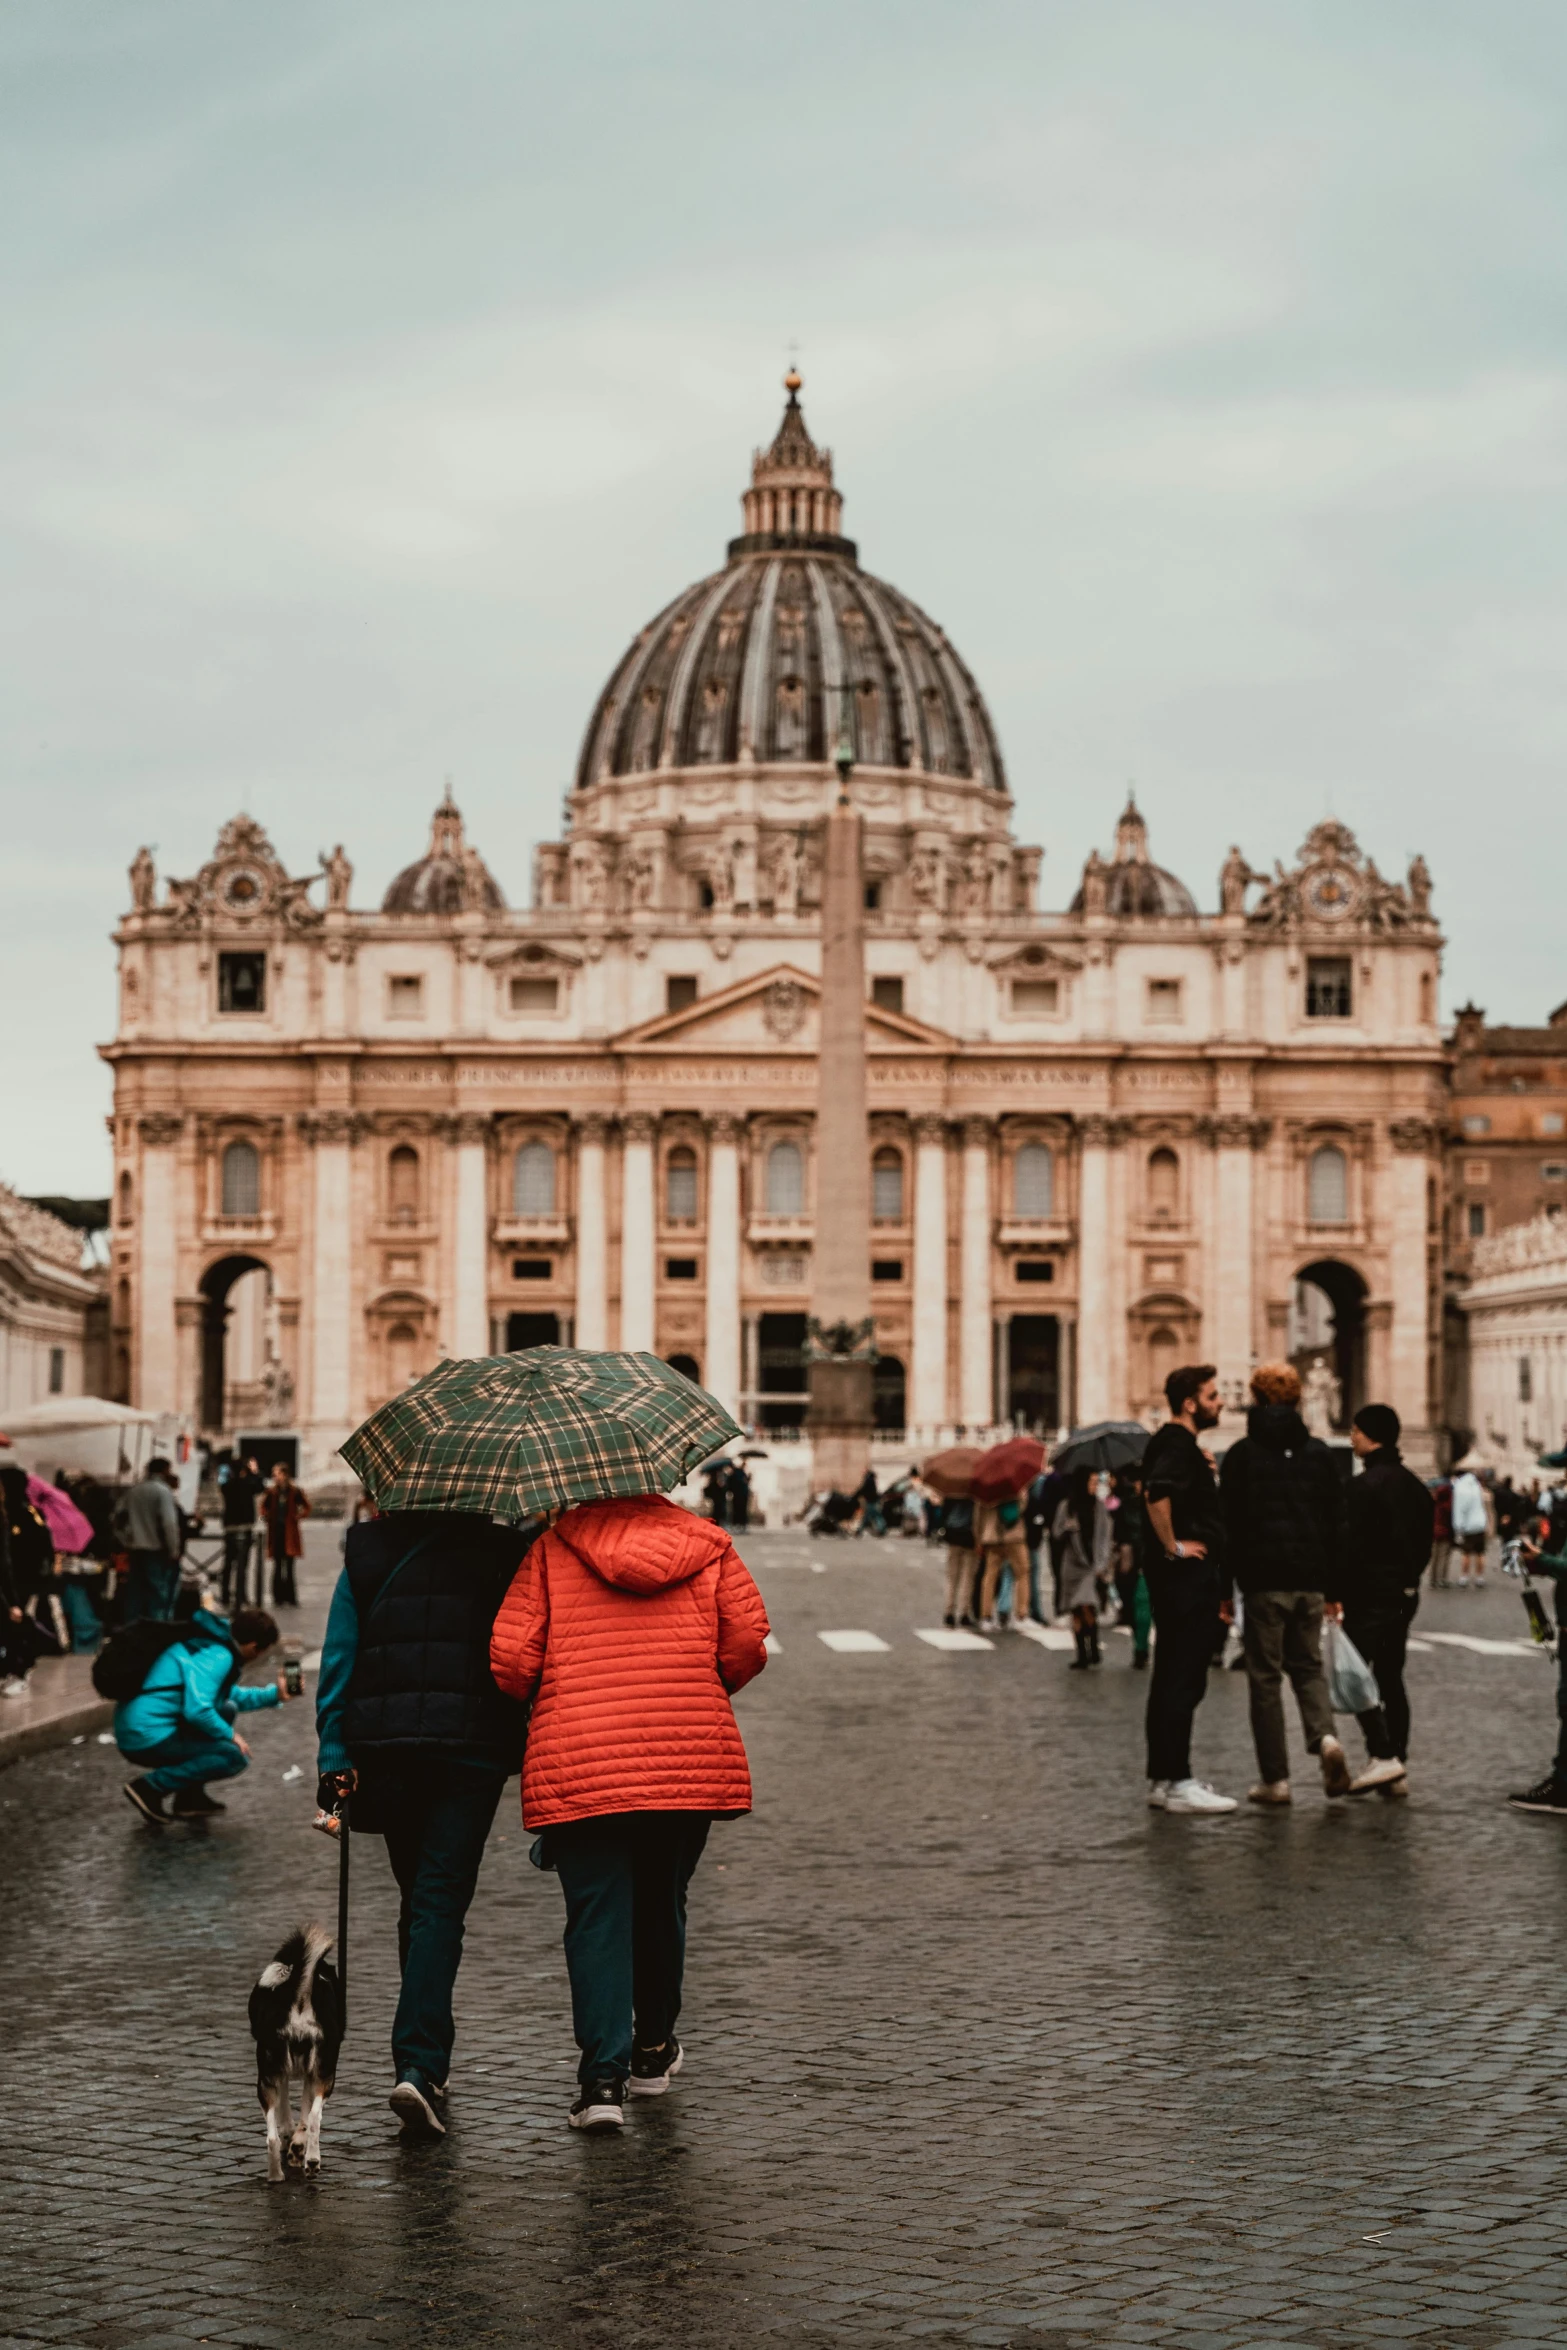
[1551,1562]
[250,1701]
[339,1650]
[203,1671]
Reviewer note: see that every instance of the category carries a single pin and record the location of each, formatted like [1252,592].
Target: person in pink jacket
[629,1624]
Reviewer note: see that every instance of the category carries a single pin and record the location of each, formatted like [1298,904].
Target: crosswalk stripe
[853,1643]
[1047,1636]
[949,1636]
[1483,1647]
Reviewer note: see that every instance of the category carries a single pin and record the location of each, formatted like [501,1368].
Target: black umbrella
[1107,1444]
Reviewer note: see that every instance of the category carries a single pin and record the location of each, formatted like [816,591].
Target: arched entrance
[235,1293]
[1327,1324]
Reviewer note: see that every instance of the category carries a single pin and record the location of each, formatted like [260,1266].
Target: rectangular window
[887,994]
[886,1268]
[535,995]
[57,1370]
[1551,1122]
[1525,1379]
[242,983]
[1330,991]
[1164,999]
[1553,1171]
[1477,1219]
[405,997]
[680,1268]
[531,1268]
[1036,999]
[1035,1269]
[873,897]
[679,992]
[1477,1125]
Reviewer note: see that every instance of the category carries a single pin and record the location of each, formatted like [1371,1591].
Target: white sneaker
[1158,1794]
[1376,1774]
[988,1624]
[13,1686]
[1196,1795]
[1269,1791]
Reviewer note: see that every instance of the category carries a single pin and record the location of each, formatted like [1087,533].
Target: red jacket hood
[643,1544]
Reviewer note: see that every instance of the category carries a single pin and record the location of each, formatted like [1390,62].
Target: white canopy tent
[108,1440]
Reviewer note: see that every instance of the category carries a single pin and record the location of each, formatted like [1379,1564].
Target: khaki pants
[960,1581]
[1283,1634]
[1441,1554]
[997,1556]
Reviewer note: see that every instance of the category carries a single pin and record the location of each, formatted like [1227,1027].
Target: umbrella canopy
[1551,1460]
[1008,1469]
[951,1473]
[509,1436]
[1107,1444]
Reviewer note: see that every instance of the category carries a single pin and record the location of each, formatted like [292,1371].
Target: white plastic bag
[1352,1685]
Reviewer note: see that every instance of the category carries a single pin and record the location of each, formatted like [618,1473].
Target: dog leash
[343,1833]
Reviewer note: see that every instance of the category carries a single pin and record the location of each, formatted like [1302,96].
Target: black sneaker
[196,1804]
[1549,1795]
[147,1801]
[411,2102]
[652,2069]
[601,2106]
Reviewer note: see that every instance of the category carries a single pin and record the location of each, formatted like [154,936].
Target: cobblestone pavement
[981,2050]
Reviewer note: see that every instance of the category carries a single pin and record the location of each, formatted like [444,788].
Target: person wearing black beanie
[1392,1517]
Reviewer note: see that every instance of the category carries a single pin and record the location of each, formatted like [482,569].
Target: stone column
[157,1217]
[471,1243]
[330,1134]
[721,1366]
[1231,1337]
[1094,1293]
[928,1388]
[592,1316]
[1415,1160]
[977,1401]
[636,1232]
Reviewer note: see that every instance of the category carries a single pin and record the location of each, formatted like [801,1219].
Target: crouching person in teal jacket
[179,1730]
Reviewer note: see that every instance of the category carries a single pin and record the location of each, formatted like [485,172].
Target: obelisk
[841,1412]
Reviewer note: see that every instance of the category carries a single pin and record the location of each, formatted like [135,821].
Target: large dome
[772,657]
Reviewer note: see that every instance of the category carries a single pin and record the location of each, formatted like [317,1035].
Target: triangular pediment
[777,1010]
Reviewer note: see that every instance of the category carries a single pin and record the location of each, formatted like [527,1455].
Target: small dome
[1132,885]
[773,657]
[450,878]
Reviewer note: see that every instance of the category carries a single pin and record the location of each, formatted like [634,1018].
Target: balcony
[533,1231]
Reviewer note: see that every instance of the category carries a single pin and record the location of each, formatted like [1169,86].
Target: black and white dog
[296,2015]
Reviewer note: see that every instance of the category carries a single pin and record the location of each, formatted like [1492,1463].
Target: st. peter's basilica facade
[1103,1140]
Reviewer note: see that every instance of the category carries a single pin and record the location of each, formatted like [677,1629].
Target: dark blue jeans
[436,1820]
[152,1586]
[625,1878]
[189,1759]
[1185,1601]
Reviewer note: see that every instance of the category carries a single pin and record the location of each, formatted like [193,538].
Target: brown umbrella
[951,1473]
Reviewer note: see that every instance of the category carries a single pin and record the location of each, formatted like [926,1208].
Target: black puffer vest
[427,1587]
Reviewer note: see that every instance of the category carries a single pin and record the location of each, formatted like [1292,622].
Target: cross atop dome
[791,500]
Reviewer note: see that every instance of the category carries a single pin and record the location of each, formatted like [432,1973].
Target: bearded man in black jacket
[1392,1520]
[1284,1541]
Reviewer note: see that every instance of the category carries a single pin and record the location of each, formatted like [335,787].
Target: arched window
[1164,1352]
[402,1184]
[785,1180]
[242,1180]
[126,1195]
[680,1188]
[1033,1181]
[686,1365]
[887,1187]
[533,1180]
[888,1396]
[1164,1185]
[1329,1186]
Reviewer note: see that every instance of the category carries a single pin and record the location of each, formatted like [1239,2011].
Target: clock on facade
[1329,893]
[244,890]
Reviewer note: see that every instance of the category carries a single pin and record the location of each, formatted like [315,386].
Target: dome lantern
[791,501]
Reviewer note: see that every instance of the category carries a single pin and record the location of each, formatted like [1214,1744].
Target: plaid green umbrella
[507,1436]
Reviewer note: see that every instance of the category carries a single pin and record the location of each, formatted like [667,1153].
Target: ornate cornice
[1098,1132]
[468,1127]
[332,1126]
[160,1129]
[725,1126]
[1413,1135]
[1235,1131]
[929,1127]
[592,1126]
[638,1125]
[977,1132]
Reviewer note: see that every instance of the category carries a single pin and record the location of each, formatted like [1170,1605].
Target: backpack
[121,1666]
[1007,1514]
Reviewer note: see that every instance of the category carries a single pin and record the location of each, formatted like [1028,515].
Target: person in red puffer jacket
[629,1624]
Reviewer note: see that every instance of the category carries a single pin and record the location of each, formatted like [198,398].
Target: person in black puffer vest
[1284,1541]
[414,1732]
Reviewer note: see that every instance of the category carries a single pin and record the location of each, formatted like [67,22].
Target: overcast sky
[375,368]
